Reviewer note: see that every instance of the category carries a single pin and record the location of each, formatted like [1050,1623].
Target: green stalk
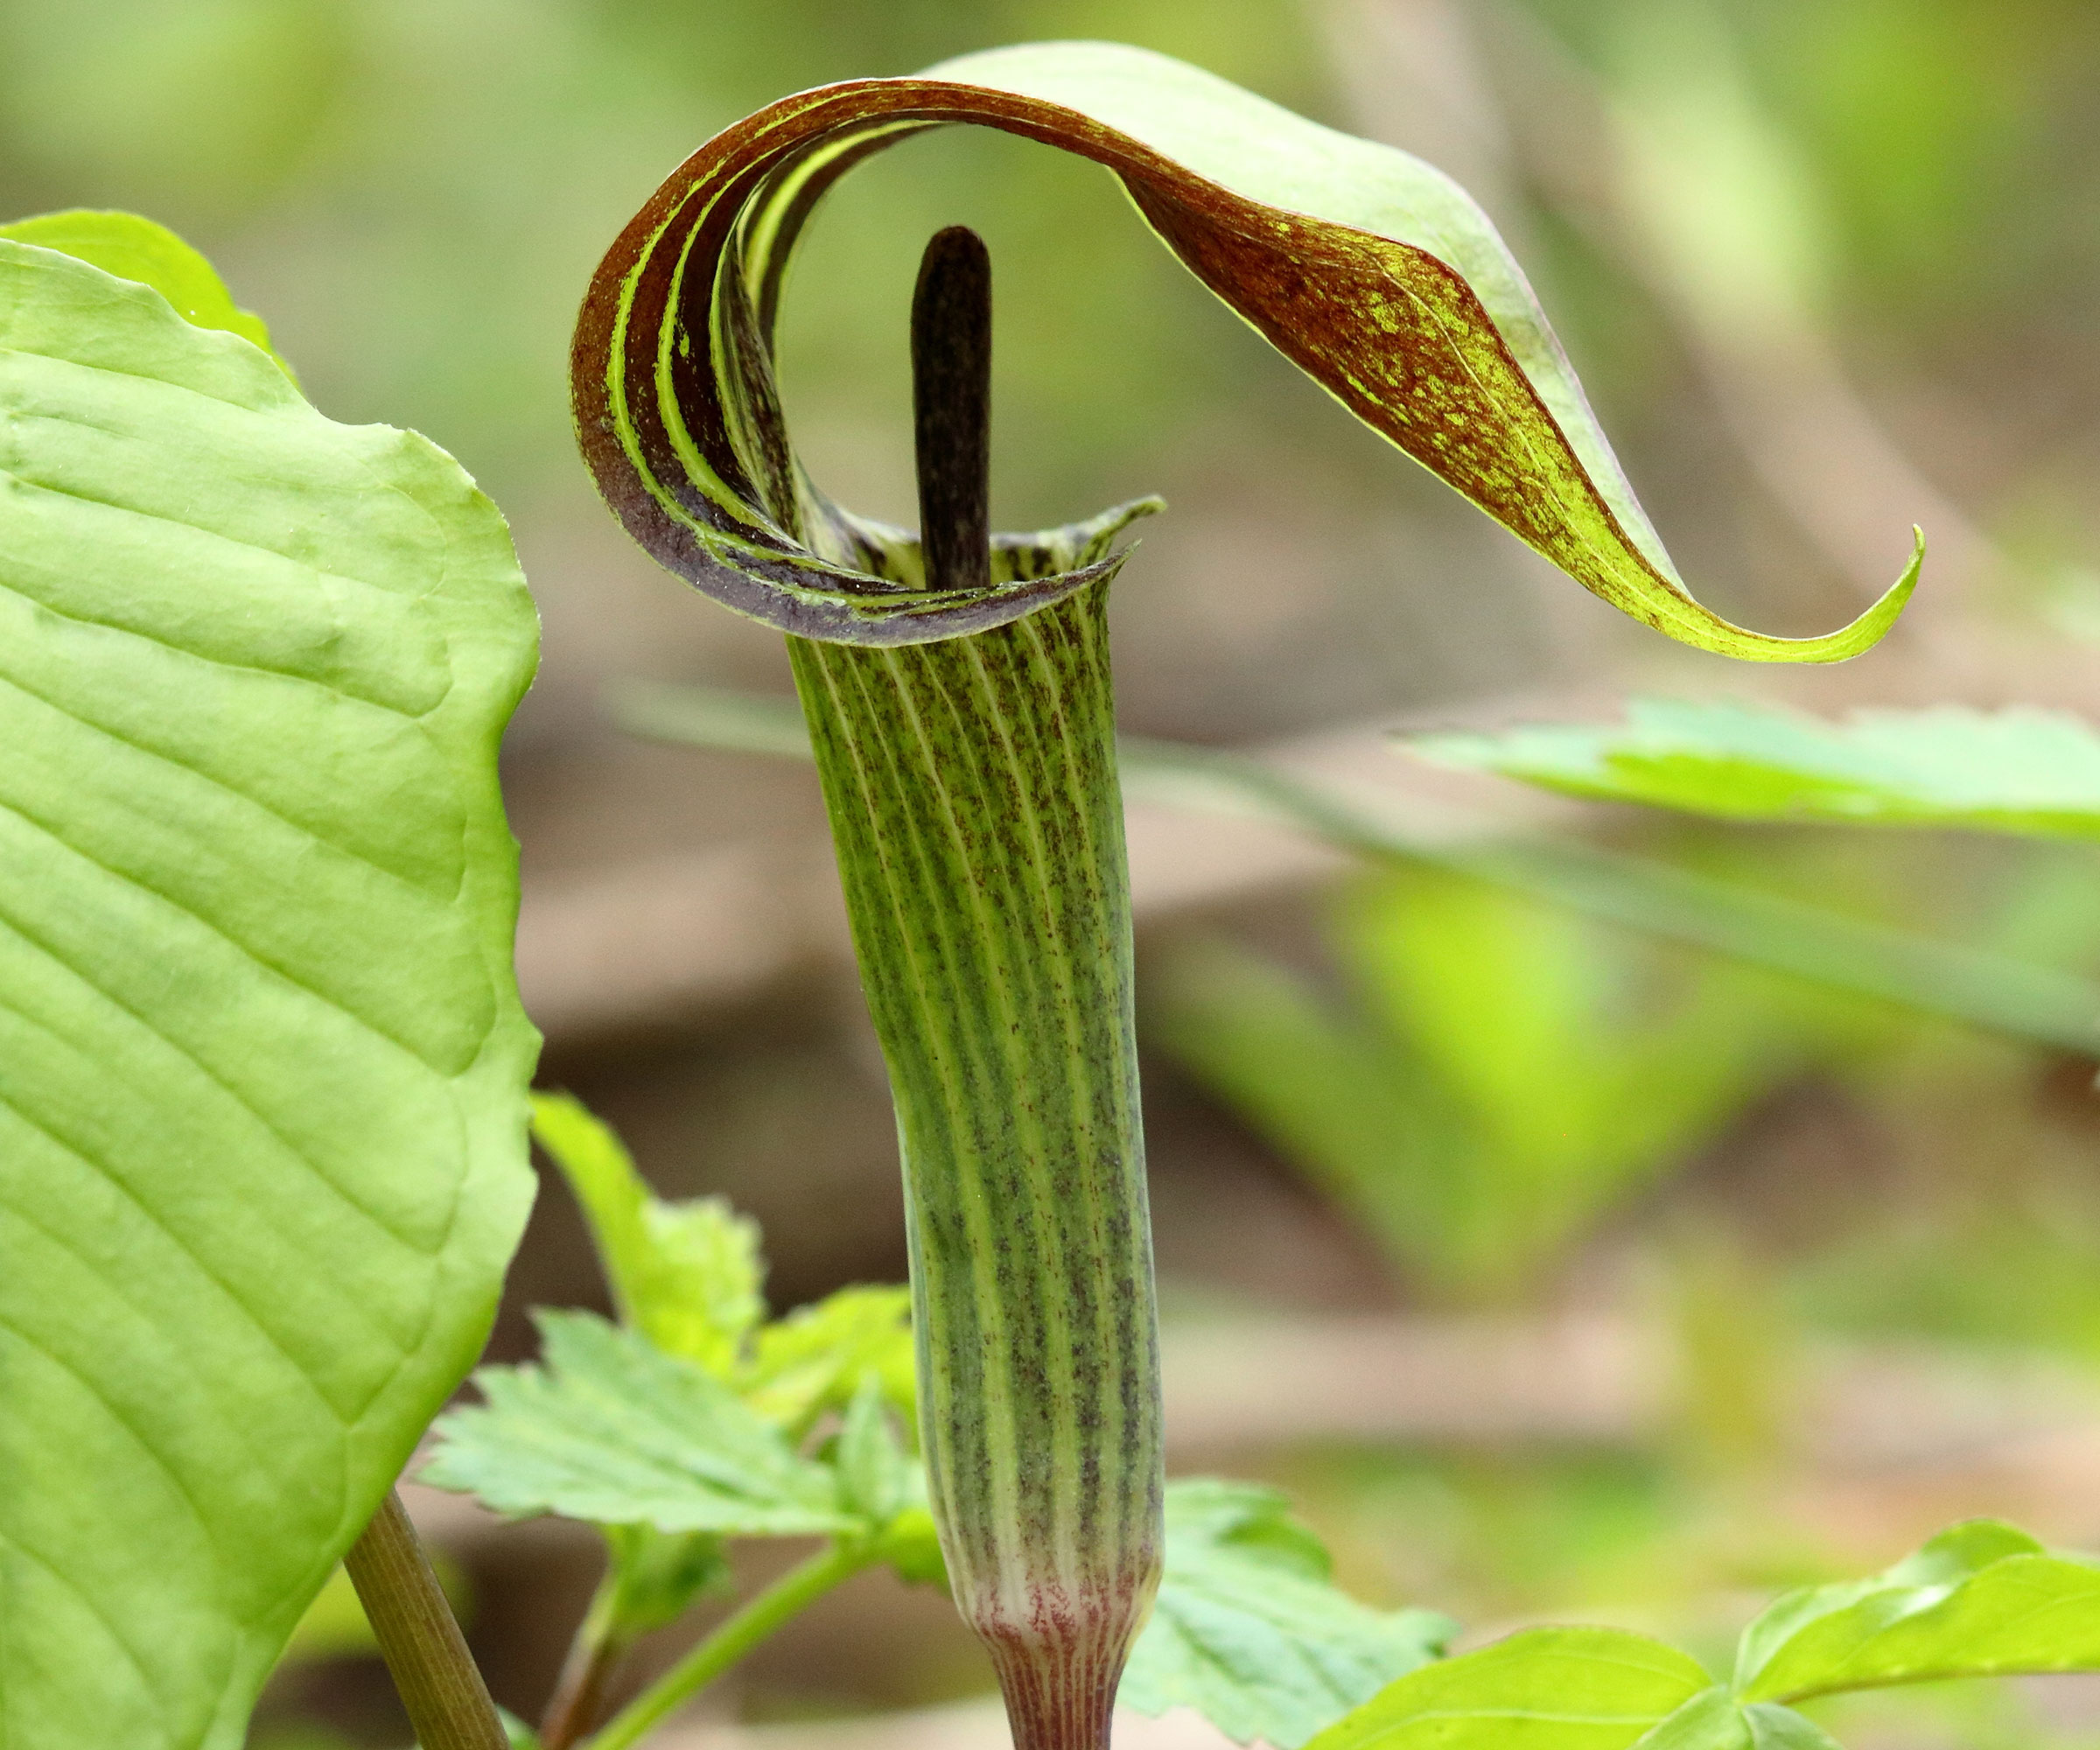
[973,798]
[786,1598]
[594,1656]
[439,1683]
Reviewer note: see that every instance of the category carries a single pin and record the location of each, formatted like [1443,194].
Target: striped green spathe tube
[972,791]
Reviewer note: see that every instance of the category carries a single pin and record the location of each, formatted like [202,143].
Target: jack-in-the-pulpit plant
[958,696]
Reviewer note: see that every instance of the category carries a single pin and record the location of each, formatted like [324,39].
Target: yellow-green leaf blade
[2019,770]
[263,1065]
[1981,1599]
[1545,1689]
[686,1274]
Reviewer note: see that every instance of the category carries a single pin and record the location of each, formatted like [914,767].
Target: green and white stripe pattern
[972,791]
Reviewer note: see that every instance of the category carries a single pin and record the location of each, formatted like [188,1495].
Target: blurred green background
[1827,267]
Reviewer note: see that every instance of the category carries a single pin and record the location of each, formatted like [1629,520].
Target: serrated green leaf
[688,1274]
[2020,770]
[1372,271]
[813,1360]
[1981,1599]
[1545,1689]
[262,1067]
[135,249]
[609,1429]
[1247,1630]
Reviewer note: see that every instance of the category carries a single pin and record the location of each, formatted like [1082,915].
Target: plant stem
[787,1597]
[971,788]
[593,1656]
[439,1683]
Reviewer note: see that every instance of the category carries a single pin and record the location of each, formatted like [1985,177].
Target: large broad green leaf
[1546,1689]
[1373,272]
[262,1067]
[1248,1631]
[1983,1599]
[611,1430]
[2021,770]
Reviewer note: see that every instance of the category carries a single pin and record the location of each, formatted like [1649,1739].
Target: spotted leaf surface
[1371,270]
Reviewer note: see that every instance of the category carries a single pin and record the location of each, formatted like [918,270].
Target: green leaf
[878,1479]
[1248,1631]
[1506,1070]
[1545,1689]
[686,1274]
[135,249]
[1714,1719]
[653,1575]
[610,1430]
[1981,1599]
[516,1732]
[1772,1727]
[1985,990]
[884,1480]
[2020,770]
[815,1359]
[263,1065]
[1372,271]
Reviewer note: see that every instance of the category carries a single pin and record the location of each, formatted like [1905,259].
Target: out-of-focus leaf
[877,1478]
[1964,983]
[610,1430]
[2021,770]
[1981,1599]
[1248,1631]
[1715,1720]
[519,1735]
[1545,1689]
[686,1274]
[1506,1071]
[135,249]
[815,1359]
[655,1575]
[1372,271]
[263,1065]
[881,1478]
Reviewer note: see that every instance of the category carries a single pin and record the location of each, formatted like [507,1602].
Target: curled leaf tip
[1724,638]
[1373,271]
